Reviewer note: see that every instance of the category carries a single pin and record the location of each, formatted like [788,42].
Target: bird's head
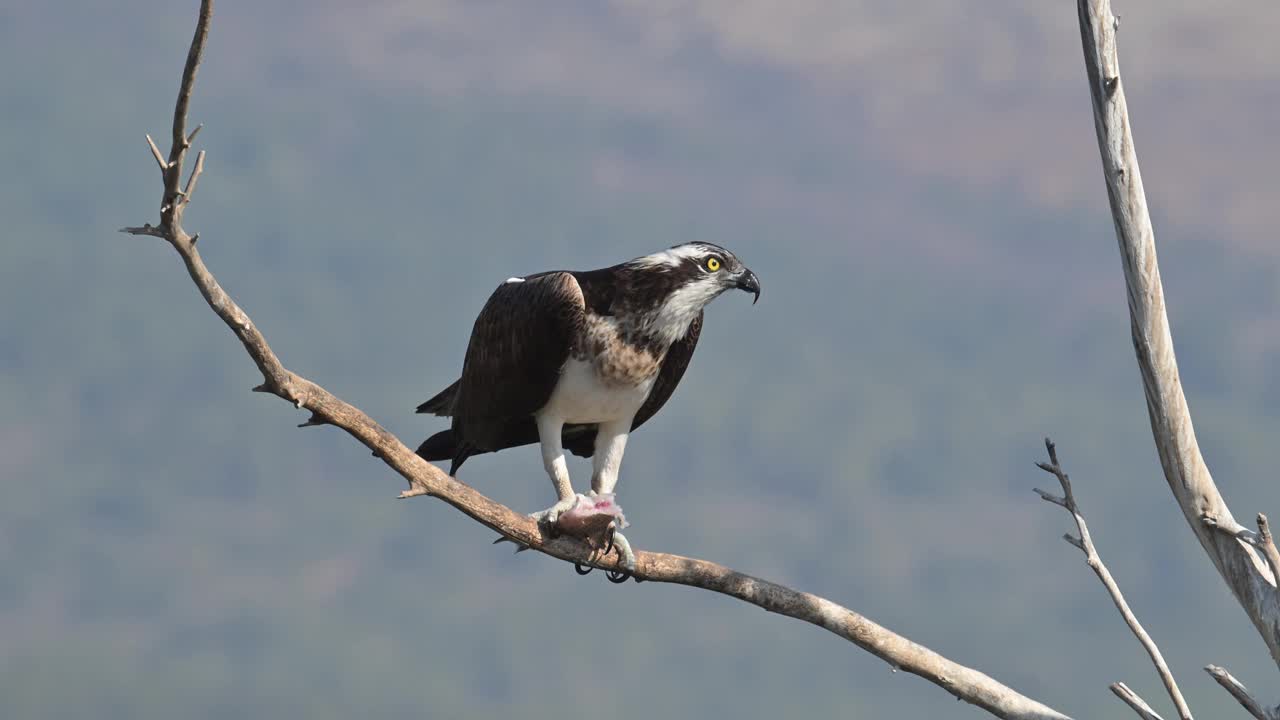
[675,284]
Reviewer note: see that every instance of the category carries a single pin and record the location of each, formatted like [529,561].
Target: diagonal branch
[1241,694]
[1238,561]
[425,479]
[1085,544]
[155,152]
[1133,700]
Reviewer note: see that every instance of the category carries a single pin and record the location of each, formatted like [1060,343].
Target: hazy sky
[917,186]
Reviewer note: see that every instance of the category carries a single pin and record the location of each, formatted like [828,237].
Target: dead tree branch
[1241,694]
[1133,700]
[1232,548]
[1085,543]
[425,479]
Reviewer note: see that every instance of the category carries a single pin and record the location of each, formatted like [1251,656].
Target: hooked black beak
[751,284]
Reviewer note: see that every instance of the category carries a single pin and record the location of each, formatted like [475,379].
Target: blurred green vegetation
[171,547]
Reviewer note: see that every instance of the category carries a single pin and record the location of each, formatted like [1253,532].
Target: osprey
[579,359]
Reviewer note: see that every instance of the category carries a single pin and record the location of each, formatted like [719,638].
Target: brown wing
[673,367]
[518,346]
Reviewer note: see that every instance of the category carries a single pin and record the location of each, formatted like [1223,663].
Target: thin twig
[155,152]
[1085,544]
[1133,700]
[426,479]
[145,229]
[1268,546]
[195,175]
[1241,693]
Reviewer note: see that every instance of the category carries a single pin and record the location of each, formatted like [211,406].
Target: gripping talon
[618,542]
[582,570]
[547,519]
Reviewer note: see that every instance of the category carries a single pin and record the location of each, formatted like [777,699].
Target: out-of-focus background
[916,185]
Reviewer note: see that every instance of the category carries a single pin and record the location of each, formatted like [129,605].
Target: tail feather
[444,446]
[442,403]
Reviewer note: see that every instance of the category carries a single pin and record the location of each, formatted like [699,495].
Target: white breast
[582,397]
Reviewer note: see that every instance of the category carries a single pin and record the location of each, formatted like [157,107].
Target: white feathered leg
[611,442]
[549,429]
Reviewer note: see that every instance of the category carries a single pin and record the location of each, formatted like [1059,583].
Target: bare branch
[1241,694]
[1268,546]
[155,152]
[1085,543]
[425,479]
[180,140]
[1132,699]
[191,182]
[1049,497]
[1238,562]
[144,229]
[175,198]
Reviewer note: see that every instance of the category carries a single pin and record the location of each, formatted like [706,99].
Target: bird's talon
[581,570]
[626,557]
[551,515]
[617,577]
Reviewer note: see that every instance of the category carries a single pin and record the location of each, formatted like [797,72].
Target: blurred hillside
[917,187]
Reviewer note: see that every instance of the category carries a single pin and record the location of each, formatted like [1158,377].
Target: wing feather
[518,346]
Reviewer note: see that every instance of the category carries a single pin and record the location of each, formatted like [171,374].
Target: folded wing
[519,344]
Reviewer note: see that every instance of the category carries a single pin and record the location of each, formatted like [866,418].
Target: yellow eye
[713,264]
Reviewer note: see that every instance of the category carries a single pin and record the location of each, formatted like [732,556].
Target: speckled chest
[617,362]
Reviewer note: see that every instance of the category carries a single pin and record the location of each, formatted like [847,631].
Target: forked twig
[1085,543]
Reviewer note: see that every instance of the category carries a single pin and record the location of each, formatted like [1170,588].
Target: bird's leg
[553,460]
[611,442]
